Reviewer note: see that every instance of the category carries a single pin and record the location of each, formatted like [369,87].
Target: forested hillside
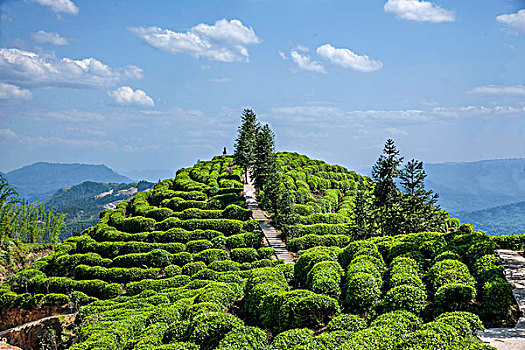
[505,219]
[82,203]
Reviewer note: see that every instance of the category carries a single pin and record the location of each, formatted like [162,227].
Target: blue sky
[159,84]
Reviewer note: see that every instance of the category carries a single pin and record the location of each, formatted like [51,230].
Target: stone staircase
[271,234]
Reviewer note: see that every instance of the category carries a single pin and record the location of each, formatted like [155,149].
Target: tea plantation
[183,267]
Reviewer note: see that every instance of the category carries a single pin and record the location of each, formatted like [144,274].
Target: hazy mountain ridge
[507,219]
[36,181]
[470,186]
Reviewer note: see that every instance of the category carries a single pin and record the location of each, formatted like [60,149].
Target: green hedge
[313,240]
[325,278]
[295,231]
[114,274]
[134,288]
[208,329]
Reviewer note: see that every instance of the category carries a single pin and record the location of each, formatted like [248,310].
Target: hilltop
[36,181]
[328,260]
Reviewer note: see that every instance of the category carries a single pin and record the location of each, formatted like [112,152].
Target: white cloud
[326,116]
[52,38]
[7,134]
[304,62]
[47,70]
[126,96]
[420,11]
[395,131]
[224,41]
[499,90]
[74,115]
[348,59]
[220,80]
[514,20]
[59,6]
[283,55]
[301,48]
[8,91]
[233,32]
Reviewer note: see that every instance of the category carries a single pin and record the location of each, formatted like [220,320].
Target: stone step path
[510,338]
[272,235]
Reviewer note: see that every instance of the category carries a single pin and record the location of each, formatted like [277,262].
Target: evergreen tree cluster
[255,152]
[412,209]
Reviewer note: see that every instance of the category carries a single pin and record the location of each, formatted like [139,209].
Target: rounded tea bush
[405,297]
[362,292]
[455,296]
[292,338]
[345,322]
[208,329]
[55,299]
[244,338]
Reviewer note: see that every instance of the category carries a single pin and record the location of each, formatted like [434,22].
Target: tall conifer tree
[244,148]
[264,157]
[386,193]
[419,206]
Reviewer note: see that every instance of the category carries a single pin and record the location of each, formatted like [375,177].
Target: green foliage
[454,297]
[235,212]
[292,338]
[208,329]
[405,297]
[55,299]
[309,258]
[245,144]
[345,322]
[264,157]
[325,278]
[362,292]
[242,255]
[30,223]
[210,255]
[244,338]
[192,268]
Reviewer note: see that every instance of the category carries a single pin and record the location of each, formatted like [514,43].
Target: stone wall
[12,317]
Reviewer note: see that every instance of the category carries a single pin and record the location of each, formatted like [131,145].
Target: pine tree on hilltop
[264,157]
[419,206]
[386,193]
[384,172]
[244,148]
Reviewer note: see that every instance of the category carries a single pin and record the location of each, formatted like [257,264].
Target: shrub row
[407,290]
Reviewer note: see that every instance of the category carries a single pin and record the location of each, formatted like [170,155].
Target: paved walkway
[272,235]
[510,338]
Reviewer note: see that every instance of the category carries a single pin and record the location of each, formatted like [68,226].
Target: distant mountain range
[39,180]
[487,193]
[472,186]
[508,218]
